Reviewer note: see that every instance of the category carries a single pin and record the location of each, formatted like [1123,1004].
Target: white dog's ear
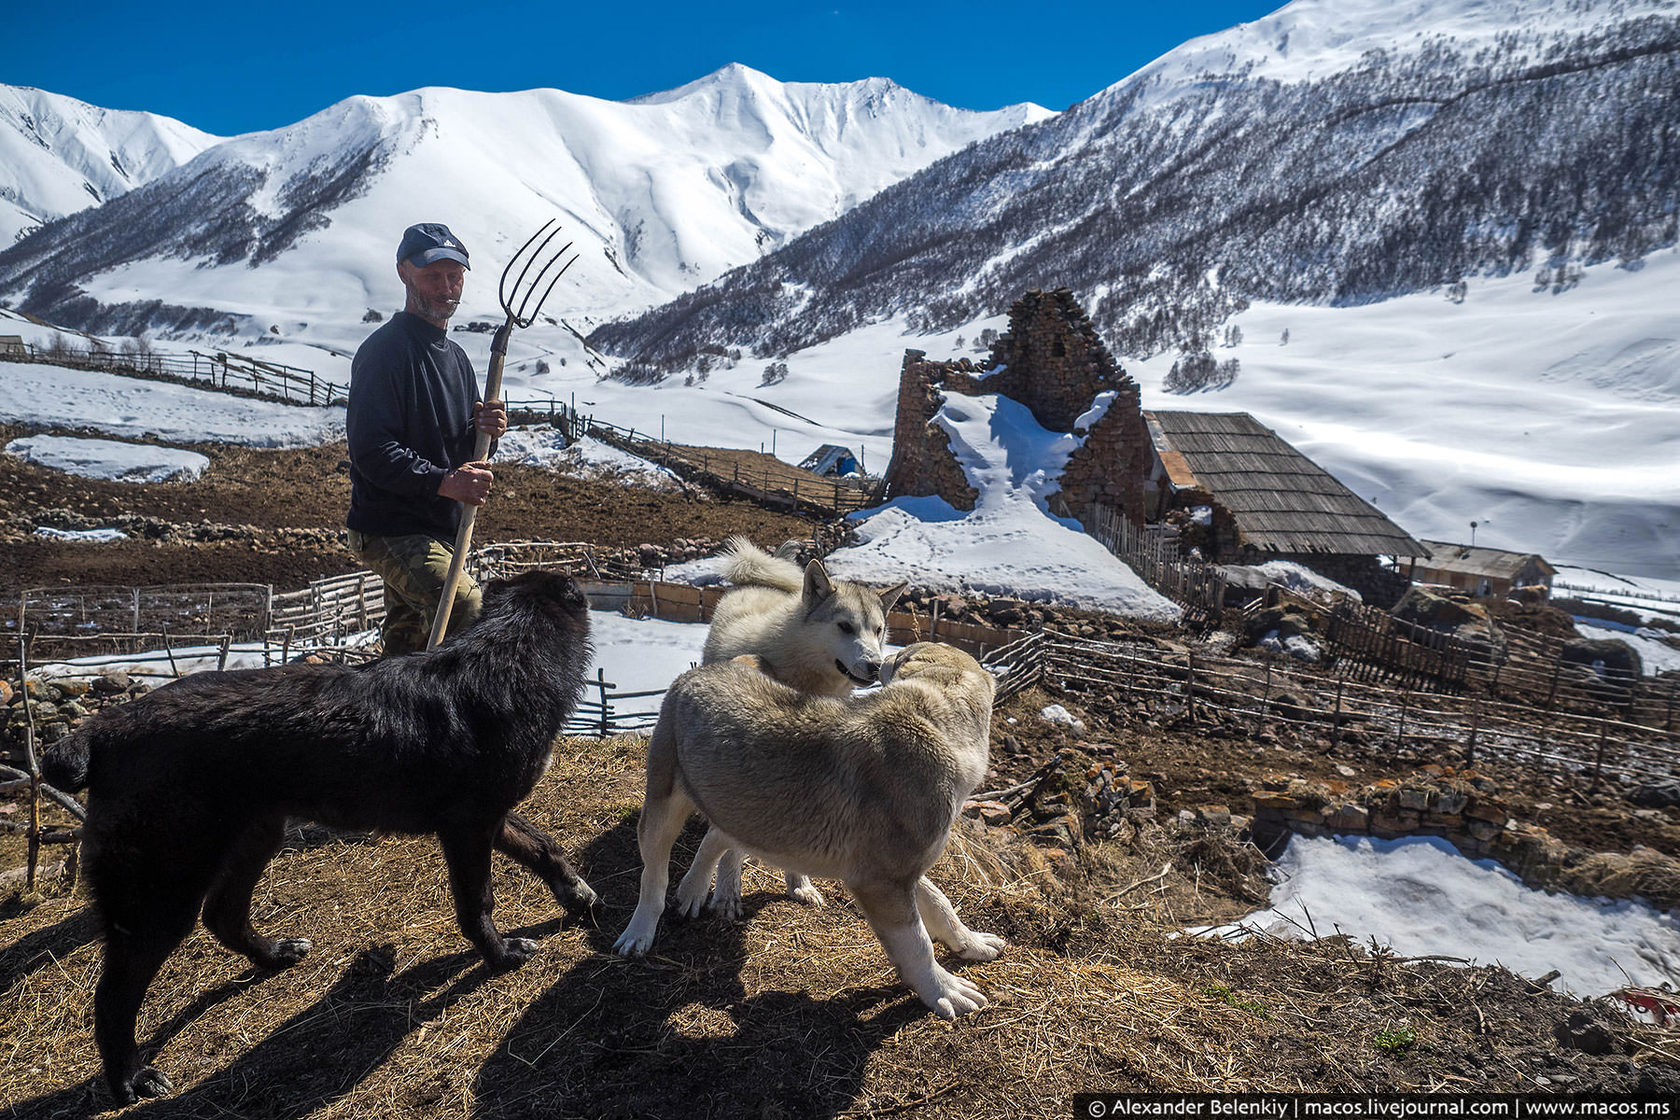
[817,584]
[890,596]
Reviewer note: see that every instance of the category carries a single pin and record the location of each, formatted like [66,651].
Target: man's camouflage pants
[414,569]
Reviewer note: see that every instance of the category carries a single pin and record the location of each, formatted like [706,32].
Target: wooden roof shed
[1482,571]
[1272,501]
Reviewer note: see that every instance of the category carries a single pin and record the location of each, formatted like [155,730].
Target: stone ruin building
[1267,501]
[1052,361]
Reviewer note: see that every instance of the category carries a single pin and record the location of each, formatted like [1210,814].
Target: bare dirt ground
[794,1012]
[266,516]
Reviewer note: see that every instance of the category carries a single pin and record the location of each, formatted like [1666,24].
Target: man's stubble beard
[436,311]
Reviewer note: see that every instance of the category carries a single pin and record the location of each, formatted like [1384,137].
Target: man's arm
[376,428]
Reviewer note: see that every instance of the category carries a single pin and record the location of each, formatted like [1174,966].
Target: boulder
[1609,658]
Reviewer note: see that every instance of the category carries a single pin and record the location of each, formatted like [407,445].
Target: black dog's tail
[65,765]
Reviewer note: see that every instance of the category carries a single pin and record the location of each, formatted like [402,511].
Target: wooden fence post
[34,852]
[1475,726]
[1336,720]
[1190,687]
[1598,762]
[606,712]
[1400,736]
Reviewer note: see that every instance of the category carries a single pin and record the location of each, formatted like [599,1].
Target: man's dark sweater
[409,423]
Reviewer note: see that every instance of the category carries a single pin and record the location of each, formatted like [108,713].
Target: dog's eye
[847,628]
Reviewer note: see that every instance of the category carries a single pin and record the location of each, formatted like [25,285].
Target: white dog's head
[847,621]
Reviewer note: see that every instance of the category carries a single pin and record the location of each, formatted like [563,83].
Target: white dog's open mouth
[851,676]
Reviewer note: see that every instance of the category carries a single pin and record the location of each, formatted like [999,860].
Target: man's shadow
[601,1041]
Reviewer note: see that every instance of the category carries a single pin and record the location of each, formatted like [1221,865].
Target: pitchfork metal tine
[524,292]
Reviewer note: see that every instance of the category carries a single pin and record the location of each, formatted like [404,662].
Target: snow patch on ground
[51,395]
[88,536]
[109,459]
[1420,897]
[1009,544]
[587,457]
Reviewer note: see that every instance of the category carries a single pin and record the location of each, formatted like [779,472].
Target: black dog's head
[545,592]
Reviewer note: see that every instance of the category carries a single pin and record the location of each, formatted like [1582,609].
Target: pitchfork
[516,297]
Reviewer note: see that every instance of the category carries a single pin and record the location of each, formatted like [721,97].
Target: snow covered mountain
[1485,166]
[59,155]
[295,229]
[1335,151]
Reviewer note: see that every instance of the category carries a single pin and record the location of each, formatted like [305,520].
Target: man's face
[434,291]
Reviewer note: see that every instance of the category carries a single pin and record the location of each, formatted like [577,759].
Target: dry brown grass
[793,1012]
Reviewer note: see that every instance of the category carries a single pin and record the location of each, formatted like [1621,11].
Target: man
[412,421]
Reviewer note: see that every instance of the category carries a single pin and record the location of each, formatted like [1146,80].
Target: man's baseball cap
[428,242]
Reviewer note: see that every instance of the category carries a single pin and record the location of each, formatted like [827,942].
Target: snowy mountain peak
[1311,39]
[292,228]
[59,155]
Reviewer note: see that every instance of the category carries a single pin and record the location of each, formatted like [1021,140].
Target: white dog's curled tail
[747,565]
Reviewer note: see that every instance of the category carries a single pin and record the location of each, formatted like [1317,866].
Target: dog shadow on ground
[47,946]
[676,1034]
[305,1063]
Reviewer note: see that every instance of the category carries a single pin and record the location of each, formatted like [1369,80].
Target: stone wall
[1465,809]
[923,463]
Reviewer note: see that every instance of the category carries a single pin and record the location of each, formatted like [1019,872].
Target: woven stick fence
[13,780]
[1199,687]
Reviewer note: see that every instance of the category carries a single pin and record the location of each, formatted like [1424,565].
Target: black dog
[189,788]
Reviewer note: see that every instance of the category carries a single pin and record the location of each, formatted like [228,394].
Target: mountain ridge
[1402,173]
[60,155]
[662,193]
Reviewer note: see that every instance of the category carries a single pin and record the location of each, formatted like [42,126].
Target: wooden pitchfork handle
[464,534]
[522,315]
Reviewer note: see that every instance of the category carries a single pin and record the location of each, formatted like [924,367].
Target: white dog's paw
[949,995]
[980,946]
[801,889]
[633,942]
[691,897]
[726,905]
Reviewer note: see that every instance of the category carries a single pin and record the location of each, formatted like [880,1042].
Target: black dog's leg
[531,847]
[143,926]
[467,851]
[227,910]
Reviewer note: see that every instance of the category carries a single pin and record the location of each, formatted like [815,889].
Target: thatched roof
[1281,500]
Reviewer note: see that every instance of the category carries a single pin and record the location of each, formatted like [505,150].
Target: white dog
[815,634]
[862,789]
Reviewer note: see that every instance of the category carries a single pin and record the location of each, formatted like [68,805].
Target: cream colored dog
[862,789]
[816,634]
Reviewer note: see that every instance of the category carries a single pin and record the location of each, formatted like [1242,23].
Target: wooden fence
[1372,645]
[1465,731]
[222,370]
[768,481]
[1152,552]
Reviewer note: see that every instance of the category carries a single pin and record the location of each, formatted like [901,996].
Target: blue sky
[237,67]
